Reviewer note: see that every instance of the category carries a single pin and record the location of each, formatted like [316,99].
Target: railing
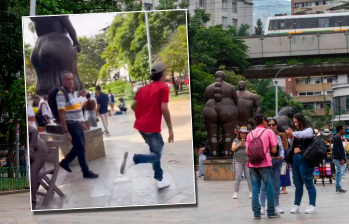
[13,178]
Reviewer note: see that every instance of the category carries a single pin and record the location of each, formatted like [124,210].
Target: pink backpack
[256,152]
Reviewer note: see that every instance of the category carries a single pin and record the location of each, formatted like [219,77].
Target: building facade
[312,92]
[226,12]
[310,6]
[341,98]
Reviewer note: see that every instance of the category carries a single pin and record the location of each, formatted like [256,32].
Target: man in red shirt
[150,104]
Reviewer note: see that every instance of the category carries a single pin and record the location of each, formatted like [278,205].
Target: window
[148,6]
[329,92]
[324,22]
[302,94]
[225,5]
[317,93]
[235,6]
[235,23]
[202,3]
[310,93]
[224,22]
[299,5]
[310,23]
[321,106]
[329,80]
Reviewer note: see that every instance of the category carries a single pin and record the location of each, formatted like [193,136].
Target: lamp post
[32,7]
[276,90]
[148,39]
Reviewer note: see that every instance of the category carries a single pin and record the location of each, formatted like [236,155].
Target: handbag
[283,168]
[316,152]
[289,156]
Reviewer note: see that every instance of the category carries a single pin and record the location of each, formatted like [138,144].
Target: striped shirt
[72,108]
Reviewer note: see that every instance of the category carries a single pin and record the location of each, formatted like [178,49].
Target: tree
[176,53]
[259,29]
[242,31]
[90,59]
[170,4]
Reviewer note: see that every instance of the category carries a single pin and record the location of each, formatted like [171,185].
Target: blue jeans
[303,174]
[343,169]
[276,168]
[202,158]
[78,150]
[258,175]
[338,174]
[156,144]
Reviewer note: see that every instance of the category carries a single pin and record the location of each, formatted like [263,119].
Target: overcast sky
[84,24]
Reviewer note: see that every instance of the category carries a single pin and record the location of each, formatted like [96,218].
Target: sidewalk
[215,205]
[137,187]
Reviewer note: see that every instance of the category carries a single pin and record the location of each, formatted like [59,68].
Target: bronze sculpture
[53,52]
[284,118]
[220,111]
[249,105]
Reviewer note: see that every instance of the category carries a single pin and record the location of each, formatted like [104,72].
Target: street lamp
[32,7]
[148,38]
[276,90]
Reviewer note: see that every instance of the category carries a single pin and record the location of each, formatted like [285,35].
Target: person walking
[240,161]
[285,180]
[276,168]
[301,170]
[204,153]
[261,141]
[90,107]
[102,108]
[338,156]
[345,145]
[150,104]
[111,101]
[72,122]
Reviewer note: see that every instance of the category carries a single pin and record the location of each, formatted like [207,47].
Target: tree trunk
[174,83]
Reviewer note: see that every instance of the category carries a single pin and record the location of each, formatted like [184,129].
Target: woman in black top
[301,170]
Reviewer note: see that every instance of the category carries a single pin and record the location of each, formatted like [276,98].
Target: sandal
[283,192]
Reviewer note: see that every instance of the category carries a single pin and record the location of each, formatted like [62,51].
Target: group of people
[271,172]
[150,105]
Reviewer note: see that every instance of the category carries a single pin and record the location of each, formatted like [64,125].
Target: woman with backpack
[90,107]
[302,172]
[203,154]
[240,160]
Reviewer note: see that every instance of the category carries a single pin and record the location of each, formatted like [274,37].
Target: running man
[150,104]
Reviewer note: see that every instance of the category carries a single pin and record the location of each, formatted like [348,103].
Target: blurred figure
[90,107]
[111,101]
[122,105]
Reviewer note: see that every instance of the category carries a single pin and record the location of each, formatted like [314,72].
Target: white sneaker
[262,210]
[278,210]
[127,163]
[162,184]
[310,210]
[235,196]
[295,209]
[250,195]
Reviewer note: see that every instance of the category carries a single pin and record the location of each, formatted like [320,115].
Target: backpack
[256,152]
[39,117]
[52,102]
[316,152]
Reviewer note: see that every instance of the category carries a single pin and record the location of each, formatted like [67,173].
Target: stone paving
[137,187]
[215,204]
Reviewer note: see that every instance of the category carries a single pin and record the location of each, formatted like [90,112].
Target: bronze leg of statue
[212,127]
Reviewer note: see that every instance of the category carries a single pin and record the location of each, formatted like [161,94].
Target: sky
[85,25]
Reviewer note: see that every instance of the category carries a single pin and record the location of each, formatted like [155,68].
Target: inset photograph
[109,113]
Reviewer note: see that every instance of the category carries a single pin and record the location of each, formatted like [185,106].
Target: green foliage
[127,41]
[259,29]
[31,90]
[90,60]
[242,31]
[175,54]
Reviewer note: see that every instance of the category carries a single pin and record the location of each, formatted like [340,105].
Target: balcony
[311,99]
[321,112]
[336,85]
[313,87]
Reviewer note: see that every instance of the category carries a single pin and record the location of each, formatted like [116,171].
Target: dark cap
[158,67]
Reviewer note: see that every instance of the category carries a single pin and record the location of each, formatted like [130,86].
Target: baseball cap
[158,67]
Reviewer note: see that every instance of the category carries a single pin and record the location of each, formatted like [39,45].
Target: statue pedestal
[57,128]
[94,144]
[219,169]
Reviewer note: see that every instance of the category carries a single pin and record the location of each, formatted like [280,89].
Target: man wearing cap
[150,104]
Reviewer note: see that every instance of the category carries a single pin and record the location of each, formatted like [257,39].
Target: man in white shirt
[31,116]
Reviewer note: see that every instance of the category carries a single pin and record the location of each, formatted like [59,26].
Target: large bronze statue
[53,52]
[249,105]
[220,111]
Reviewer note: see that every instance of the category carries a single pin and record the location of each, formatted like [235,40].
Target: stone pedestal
[57,128]
[93,143]
[219,169]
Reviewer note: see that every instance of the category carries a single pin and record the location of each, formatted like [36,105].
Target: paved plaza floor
[215,205]
[137,187]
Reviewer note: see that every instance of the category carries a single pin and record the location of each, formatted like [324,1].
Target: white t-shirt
[30,113]
[46,110]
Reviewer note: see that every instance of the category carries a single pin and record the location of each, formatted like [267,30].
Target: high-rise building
[309,6]
[226,12]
